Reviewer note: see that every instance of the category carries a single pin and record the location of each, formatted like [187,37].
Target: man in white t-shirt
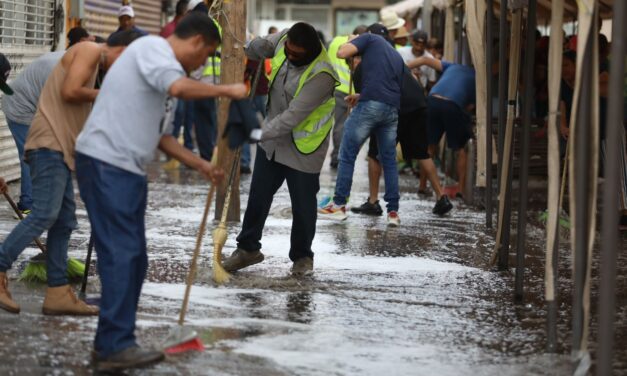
[131,117]
[418,48]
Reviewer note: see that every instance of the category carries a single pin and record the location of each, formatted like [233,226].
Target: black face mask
[306,60]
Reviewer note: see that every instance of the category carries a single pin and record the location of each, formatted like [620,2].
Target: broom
[182,338]
[220,275]
[35,271]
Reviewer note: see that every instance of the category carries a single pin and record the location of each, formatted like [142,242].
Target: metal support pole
[502,87]
[524,154]
[460,36]
[489,208]
[427,8]
[581,160]
[609,228]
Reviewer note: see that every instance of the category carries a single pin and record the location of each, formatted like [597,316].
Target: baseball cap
[193,3]
[5,70]
[126,10]
[420,36]
[378,29]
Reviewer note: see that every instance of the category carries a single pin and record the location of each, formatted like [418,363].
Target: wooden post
[232,19]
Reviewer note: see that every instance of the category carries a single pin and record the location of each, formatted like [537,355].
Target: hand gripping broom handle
[191,275]
[19,214]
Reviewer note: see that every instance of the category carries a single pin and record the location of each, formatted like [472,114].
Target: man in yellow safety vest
[294,142]
[341,91]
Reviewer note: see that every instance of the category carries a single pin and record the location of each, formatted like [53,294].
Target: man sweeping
[64,105]
[294,142]
[133,115]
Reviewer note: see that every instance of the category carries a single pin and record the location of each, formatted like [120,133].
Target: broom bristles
[37,272]
[191,345]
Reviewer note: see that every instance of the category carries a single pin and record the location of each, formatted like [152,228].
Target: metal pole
[609,228]
[460,32]
[502,87]
[489,208]
[581,160]
[524,154]
[426,16]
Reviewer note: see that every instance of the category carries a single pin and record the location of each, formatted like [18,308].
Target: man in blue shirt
[126,18]
[376,112]
[449,102]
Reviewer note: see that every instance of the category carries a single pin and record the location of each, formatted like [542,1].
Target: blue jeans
[116,205]
[53,210]
[259,103]
[369,117]
[19,132]
[184,117]
[206,126]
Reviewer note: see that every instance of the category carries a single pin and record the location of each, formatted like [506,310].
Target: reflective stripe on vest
[310,134]
[340,66]
[213,68]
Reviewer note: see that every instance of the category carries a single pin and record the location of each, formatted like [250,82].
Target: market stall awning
[410,7]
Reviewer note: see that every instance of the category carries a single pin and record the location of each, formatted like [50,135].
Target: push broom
[35,271]
[220,275]
[183,338]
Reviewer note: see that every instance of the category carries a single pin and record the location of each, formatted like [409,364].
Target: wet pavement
[414,300]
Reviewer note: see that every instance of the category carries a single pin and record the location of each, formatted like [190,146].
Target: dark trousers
[206,126]
[116,205]
[268,176]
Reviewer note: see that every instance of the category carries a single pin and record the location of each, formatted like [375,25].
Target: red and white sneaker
[332,211]
[393,219]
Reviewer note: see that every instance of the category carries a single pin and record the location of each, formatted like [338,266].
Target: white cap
[390,20]
[192,4]
[126,10]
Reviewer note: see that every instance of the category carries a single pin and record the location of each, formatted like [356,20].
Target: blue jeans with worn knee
[19,132]
[116,205]
[54,210]
[369,117]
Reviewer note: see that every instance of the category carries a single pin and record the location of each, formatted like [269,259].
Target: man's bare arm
[187,88]
[423,60]
[81,69]
[347,50]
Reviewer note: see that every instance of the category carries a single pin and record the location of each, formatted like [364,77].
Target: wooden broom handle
[19,214]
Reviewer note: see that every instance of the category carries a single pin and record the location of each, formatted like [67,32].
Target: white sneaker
[332,211]
[393,219]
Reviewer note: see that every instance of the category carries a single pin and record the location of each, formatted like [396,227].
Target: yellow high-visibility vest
[341,68]
[309,135]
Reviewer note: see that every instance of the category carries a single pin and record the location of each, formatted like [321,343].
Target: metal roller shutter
[148,15]
[26,32]
[101,16]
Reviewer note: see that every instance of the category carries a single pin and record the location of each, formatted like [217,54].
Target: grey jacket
[285,112]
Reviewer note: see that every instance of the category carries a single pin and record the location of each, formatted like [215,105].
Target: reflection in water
[300,307]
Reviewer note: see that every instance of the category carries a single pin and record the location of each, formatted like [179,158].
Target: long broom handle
[192,269]
[564,173]
[90,249]
[19,214]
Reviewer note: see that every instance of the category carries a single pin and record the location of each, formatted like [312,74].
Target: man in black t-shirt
[412,135]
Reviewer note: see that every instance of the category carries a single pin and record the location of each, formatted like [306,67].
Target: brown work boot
[241,259]
[62,301]
[302,267]
[6,301]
